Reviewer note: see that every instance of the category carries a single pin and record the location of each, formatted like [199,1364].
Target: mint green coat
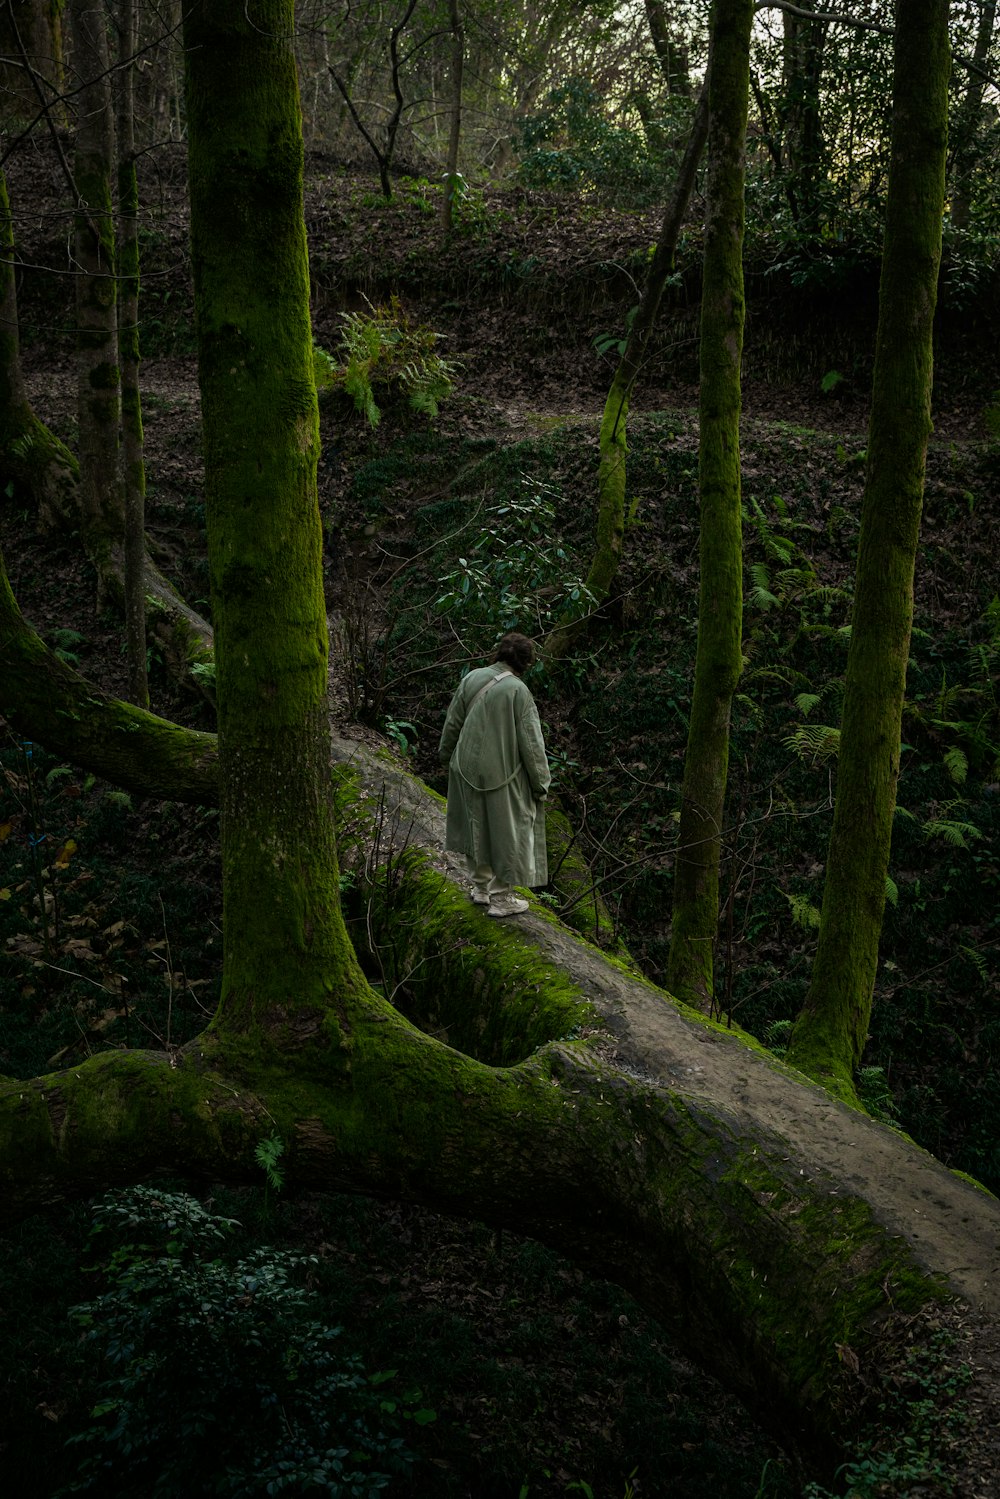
[498,774]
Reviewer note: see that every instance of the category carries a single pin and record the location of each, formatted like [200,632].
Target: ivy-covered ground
[441,532]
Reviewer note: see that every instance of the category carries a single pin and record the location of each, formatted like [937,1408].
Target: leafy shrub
[383,349]
[212,1377]
[516,574]
[572,144]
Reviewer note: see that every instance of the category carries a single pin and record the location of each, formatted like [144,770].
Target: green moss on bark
[830,1034]
[718,660]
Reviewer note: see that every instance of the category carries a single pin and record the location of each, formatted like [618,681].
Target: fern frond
[807,701]
[954,833]
[814,741]
[804,914]
[891,892]
[956,762]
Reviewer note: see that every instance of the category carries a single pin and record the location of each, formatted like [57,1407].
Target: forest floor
[518,1353]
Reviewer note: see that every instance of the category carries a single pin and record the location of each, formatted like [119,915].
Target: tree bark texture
[30,39]
[718,659]
[830,1034]
[43,699]
[102,508]
[37,464]
[968,117]
[133,465]
[613,436]
[285,944]
[454,114]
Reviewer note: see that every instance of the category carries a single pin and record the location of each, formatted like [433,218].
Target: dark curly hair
[516,651]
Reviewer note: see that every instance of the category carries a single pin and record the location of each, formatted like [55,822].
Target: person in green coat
[498,778]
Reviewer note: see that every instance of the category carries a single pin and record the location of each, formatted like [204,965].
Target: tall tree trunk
[34,462]
[102,505]
[285,945]
[967,118]
[613,436]
[830,1034]
[455,119]
[30,42]
[801,124]
[718,660]
[133,464]
[671,55]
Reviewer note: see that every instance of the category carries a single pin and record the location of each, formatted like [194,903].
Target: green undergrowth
[616,722]
[109,916]
[528,1374]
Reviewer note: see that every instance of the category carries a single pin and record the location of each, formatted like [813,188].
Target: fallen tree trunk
[783,1238]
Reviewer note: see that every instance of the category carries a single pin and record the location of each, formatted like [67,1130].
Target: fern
[957,834]
[814,741]
[804,913]
[891,892]
[956,763]
[267,1155]
[807,701]
[761,593]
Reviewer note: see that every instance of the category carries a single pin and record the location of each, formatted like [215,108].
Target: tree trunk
[455,121]
[30,41]
[800,117]
[34,462]
[133,465]
[44,700]
[671,55]
[968,117]
[285,944]
[613,436]
[718,659]
[101,504]
[830,1034]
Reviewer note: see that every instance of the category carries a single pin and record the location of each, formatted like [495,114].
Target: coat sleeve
[531,745]
[454,719]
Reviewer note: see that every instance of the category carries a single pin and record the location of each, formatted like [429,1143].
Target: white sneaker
[480,894]
[507,905]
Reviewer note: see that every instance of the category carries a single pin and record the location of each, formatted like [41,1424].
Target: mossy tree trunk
[30,41]
[830,1034]
[133,464]
[718,659]
[285,943]
[32,461]
[613,436]
[101,503]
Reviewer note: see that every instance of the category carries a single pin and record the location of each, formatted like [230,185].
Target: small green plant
[517,574]
[66,645]
[382,349]
[211,1376]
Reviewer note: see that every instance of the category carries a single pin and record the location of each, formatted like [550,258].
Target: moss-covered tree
[613,435]
[830,1034]
[133,464]
[101,503]
[574,1102]
[33,462]
[31,66]
[718,660]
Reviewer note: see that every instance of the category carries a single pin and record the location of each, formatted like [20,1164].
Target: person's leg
[481,876]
